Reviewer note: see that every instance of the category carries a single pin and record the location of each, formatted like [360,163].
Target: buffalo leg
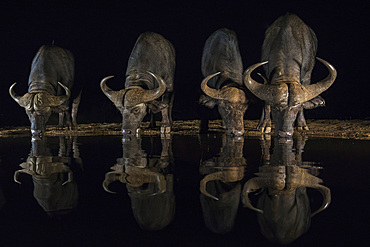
[61,119]
[75,104]
[301,121]
[166,113]
[152,123]
[264,124]
[64,119]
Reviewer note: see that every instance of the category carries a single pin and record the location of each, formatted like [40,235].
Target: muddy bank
[351,129]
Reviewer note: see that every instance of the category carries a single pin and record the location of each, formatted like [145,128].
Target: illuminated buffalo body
[221,186]
[149,76]
[54,187]
[148,183]
[288,55]
[223,69]
[283,205]
[49,85]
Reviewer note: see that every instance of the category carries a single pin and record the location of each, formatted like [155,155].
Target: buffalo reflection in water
[284,212]
[54,186]
[221,187]
[148,181]
[2,197]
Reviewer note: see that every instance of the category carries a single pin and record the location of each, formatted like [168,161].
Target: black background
[102,34]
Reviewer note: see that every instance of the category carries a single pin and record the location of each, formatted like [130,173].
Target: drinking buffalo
[288,52]
[149,76]
[52,73]
[222,68]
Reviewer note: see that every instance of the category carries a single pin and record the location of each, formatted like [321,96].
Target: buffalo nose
[237,132]
[126,132]
[36,132]
[285,134]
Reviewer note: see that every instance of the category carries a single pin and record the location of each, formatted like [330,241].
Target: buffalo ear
[156,106]
[207,101]
[314,103]
[60,108]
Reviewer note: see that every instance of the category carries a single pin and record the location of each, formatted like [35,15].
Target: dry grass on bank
[351,129]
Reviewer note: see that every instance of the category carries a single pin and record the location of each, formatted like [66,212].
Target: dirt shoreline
[346,129]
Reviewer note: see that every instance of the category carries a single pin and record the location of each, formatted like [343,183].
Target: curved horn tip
[102,82]
[105,186]
[13,94]
[61,84]
[151,73]
[214,74]
[11,90]
[107,77]
[254,66]
[214,93]
[68,92]
[16,177]
[210,196]
[11,87]
[204,191]
[326,63]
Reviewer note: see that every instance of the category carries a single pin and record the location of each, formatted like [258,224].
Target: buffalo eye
[227,107]
[136,110]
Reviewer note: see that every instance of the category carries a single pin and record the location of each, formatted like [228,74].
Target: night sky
[102,34]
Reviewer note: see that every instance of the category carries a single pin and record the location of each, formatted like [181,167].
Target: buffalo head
[232,104]
[39,106]
[286,97]
[132,102]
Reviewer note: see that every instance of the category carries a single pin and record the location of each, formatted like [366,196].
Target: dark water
[61,200]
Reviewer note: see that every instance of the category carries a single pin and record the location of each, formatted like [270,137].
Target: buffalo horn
[325,192]
[24,101]
[208,178]
[155,93]
[110,177]
[211,92]
[275,93]
[70,178]
[115,96]
[266,92]
[16,174]
[250,186]
[58,100]
[313,90]
[16,97]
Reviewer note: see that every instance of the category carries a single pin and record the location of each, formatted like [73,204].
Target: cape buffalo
[149,76]
[52,73]
[223,69]
[288,55]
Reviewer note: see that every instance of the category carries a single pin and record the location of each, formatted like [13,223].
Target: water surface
[105,190]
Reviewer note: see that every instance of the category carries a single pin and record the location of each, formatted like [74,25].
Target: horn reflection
[54,186]
[221,186]
[283,178]
[148,180]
